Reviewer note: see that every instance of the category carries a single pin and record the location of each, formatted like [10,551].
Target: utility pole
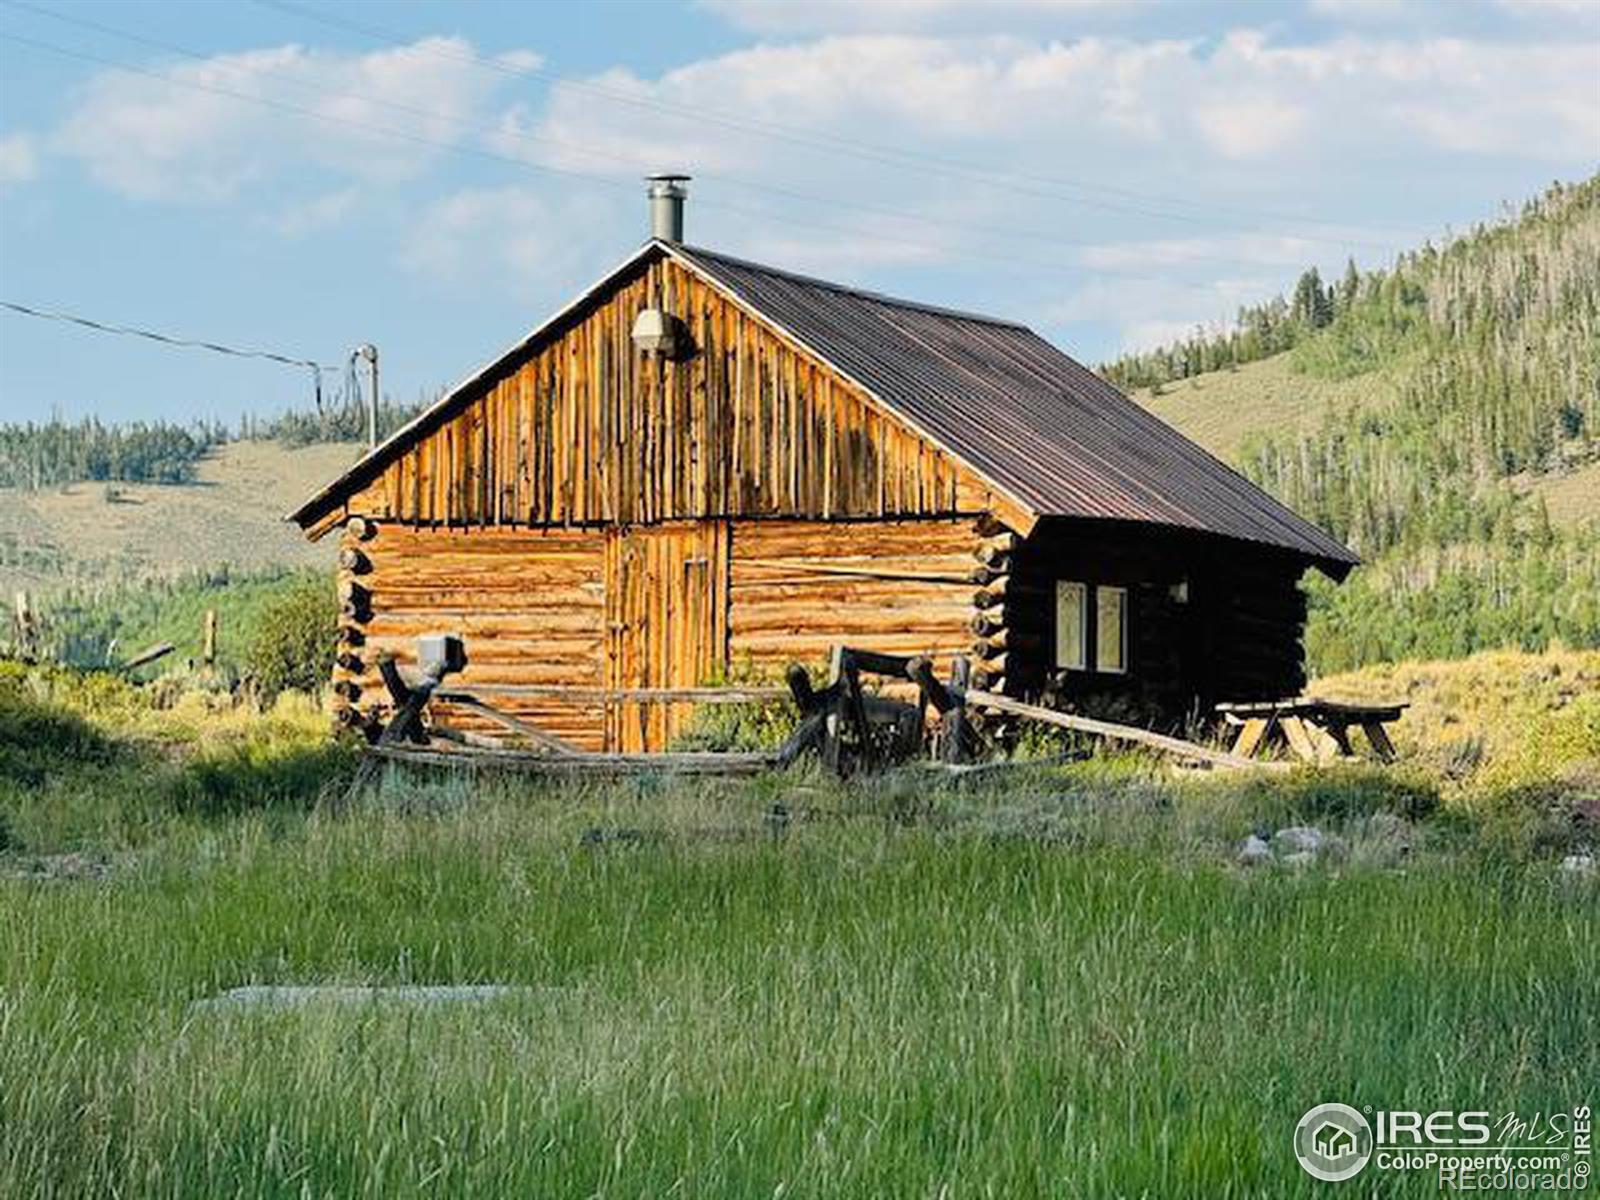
[370,352]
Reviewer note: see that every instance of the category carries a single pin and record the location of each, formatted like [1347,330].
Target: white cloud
[1152,312]
[1268,250]
[19,161]
[1179,123]
[516,238]
[315,214]
[1250,126]
[924,93]
[857,16]
[1016,100]
[204,130]
[1587,9]
[1243,123]
[1375,11]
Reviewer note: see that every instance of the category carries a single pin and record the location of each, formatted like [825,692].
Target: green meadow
[1061,983]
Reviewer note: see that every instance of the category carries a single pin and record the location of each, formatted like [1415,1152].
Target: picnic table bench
[1314,729]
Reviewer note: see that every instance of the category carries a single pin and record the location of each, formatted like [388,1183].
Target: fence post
[957,729]
[208,640]
[24,620]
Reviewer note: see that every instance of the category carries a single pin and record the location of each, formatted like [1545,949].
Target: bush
[737,727]
[1350,793]
[35,737]
[263,771]
[293,644]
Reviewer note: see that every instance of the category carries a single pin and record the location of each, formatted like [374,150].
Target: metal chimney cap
[667,194]
[668,183]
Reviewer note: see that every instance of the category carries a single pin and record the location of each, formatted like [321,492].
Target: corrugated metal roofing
[1039,425]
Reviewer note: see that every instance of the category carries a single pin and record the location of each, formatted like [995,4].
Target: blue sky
[434,178]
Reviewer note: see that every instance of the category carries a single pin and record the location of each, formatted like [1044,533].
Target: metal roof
[1037,425]
[1041,426]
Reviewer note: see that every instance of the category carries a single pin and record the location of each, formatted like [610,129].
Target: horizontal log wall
[653,607]
[1237,636]
[797,588]
[1259,617]
[679,605]
[587,430]
[530,605]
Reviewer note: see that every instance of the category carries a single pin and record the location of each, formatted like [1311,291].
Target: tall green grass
[1092,1001]
[1053,983]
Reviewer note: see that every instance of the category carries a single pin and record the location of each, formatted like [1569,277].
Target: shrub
[292,646]
[265,770]
[36,736]
[1352,792]
[737,727]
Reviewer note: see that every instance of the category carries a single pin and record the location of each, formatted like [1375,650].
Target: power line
[167,339]
[1031,262]
[1007,233]
[1022,182]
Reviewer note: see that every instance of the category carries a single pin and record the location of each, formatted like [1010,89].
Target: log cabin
[704,469]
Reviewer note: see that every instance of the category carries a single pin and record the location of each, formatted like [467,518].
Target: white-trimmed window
[1111,630]
[1072,625]
[1091,615]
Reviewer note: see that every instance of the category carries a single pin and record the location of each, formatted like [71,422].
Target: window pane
[1072,625]
[1111,631]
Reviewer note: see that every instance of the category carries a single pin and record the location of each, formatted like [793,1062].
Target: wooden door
[667,624]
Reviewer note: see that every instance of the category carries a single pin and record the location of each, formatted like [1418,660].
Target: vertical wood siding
[587,430]
[667,623]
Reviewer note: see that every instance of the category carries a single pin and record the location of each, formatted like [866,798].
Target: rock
[1383,840]
[1255,851]
[53,867]
[1299,859]
[1579,866]
[1299,839]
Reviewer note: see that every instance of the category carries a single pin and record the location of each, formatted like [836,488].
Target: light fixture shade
[656,331]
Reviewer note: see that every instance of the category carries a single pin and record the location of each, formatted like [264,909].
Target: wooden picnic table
[1315,729]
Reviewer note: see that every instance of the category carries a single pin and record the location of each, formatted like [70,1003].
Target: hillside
[1224,410]
[1228,411]
[99,534]
[1442,416]
[1572,497]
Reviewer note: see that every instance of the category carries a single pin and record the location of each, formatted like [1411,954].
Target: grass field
[1570,498]
[1060,986]
[92,533]
[1220,410]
